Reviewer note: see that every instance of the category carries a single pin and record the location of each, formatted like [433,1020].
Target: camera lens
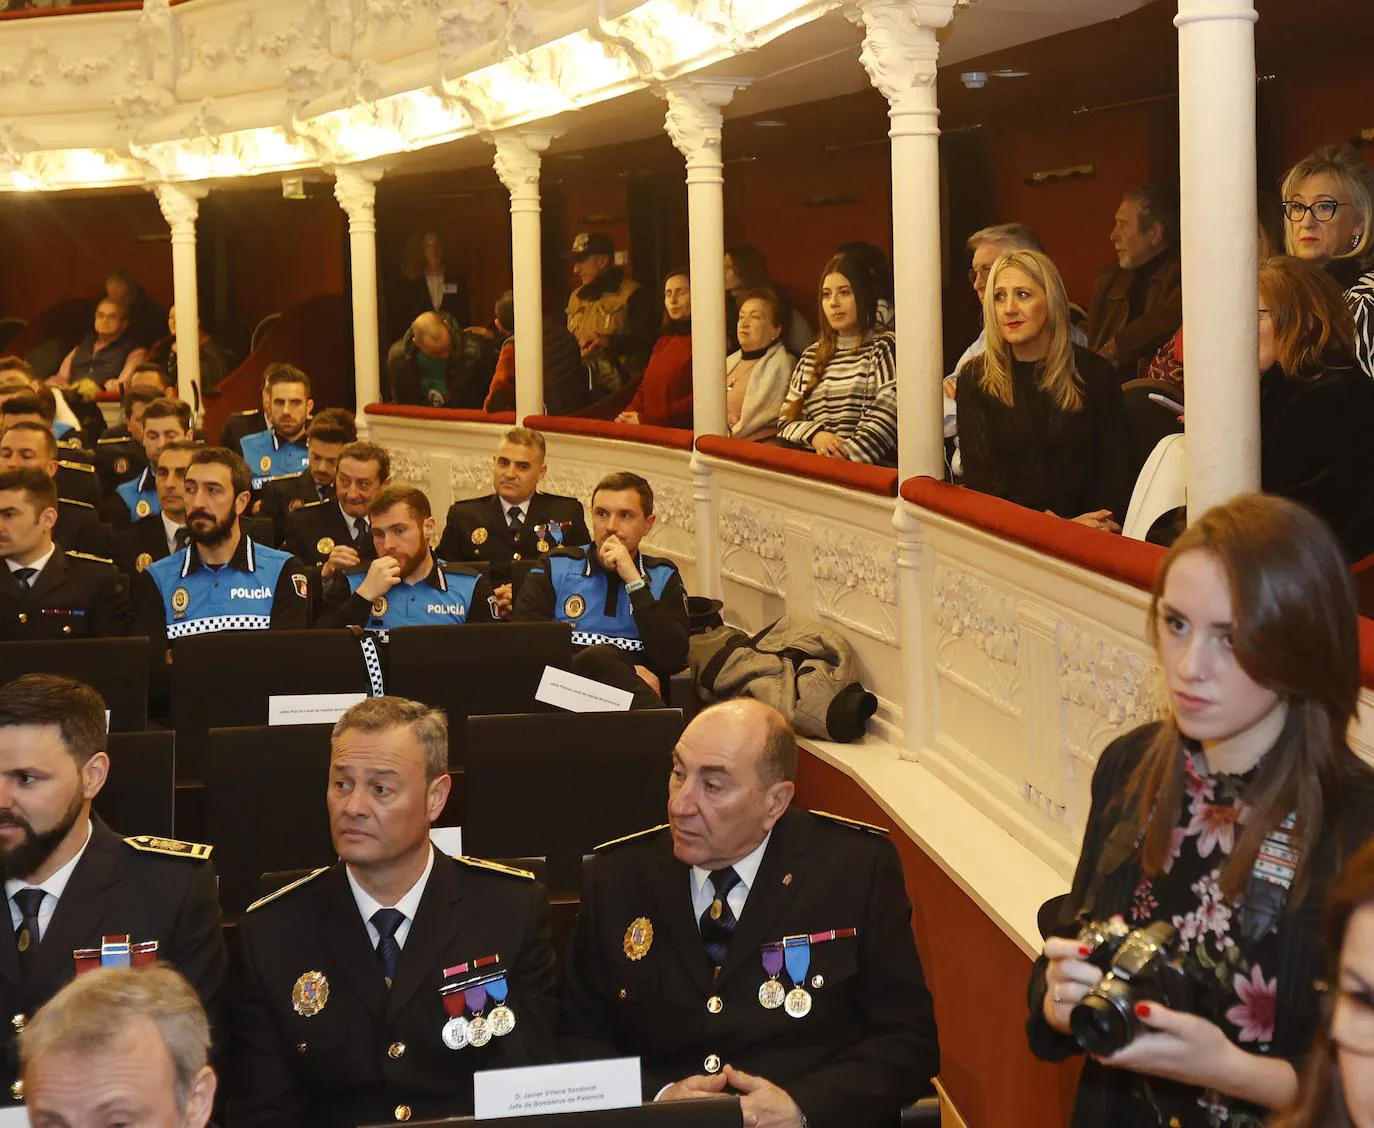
[1101,1023]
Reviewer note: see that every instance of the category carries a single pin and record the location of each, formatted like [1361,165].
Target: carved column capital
[518,157]
[900,47]
[694,117]
[180,204]
[355,187]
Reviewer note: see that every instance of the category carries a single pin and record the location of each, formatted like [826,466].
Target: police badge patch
[379,606]
[142,509]
[324,546]
[301,584]
[143,560]
[121,466]
[181,599]
[573,606]
[265,463]
[479,535]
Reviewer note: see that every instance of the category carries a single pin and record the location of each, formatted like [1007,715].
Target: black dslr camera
[1140,966]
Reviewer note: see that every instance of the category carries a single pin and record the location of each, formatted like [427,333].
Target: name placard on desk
[309,708]
[577,694]
[578,1086]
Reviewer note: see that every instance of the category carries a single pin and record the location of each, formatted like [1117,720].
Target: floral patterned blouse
[1261,994]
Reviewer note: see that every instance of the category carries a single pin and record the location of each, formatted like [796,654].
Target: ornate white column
[1216,113]
[356,190]
[180,204]
[693,122]
[517,164]
[899,53]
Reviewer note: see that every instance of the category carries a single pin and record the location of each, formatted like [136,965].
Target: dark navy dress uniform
[282,496]
[477,529]
[146,888]
[639,982]
[449,595]
[74,596]
[363,1053]
[117,459]
[139,496]
[314,529]
[648,626]
[270,456]
[80,528]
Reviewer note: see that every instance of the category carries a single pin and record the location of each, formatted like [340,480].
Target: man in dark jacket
[614,319]
[440,364]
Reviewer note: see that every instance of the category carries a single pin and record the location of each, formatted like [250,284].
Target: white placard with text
[577,694]
[309,708]
[578,1086]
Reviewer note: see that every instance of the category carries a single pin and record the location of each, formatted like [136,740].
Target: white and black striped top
[855,399]
[1360,298]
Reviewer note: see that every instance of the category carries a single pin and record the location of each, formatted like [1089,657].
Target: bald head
[432,336]
[733,772]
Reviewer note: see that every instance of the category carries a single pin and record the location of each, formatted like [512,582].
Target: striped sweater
[1360,298]
[855,399]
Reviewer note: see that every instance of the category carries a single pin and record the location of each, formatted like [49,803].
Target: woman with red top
[664,398]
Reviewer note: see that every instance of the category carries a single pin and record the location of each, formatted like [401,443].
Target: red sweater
[664,398]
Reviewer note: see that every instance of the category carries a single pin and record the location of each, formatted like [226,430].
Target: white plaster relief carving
[571,480]
[1119,685]
[356,191]
[469,477]
[517,159]
[900,48]
[411,466]
[180,205]
[694,117]
[967,608]
[468,25]
[856,581]
[753,545]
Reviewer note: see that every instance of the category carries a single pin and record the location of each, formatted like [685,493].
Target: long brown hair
[861,282]
[1320,1100]
[1294,631]
[1314,330]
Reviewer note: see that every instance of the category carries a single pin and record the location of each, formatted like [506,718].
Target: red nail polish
[1143,1010]
[1084,950]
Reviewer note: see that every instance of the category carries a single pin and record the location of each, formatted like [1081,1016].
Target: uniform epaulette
[117,439]
[76,465]
[629,837]
[311,504]
[285,477]
[853,824]
[71,444]
[457,568]
[173,847]
[573,551]
[90,556]
[73,501]
[496,867]
[249,411]
[287,888]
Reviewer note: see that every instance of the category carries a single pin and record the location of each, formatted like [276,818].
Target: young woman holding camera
[1254,622]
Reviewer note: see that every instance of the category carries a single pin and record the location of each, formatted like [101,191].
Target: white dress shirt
[37,566]
[703,893]
[170,529]
[523,506]
[408,904]
[351,523]
[53,887]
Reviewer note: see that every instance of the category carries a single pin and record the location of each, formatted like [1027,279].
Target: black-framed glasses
[1349,1018]
[1323,211]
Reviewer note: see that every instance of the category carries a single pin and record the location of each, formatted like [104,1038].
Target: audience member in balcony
[440,364]
[26,441]
[565,376]
[746,270]
[1328,201]
[664,396]
[280,449]
[842,399]
[1137,302]
[1316,404]
[614,319]
[145,316]
[1336,1085]
[1254,622]
[1041,420]
[428,282]
[214,360]
[880,278]
[757,373]
[105,356]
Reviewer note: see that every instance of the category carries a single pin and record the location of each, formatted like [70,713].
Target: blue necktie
[386,922]
[718,921]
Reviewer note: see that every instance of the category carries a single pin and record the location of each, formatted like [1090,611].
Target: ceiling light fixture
[1009,72]
[769,123]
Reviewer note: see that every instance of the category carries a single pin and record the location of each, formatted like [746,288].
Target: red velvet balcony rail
[447,414]
[673,438]
[878,480]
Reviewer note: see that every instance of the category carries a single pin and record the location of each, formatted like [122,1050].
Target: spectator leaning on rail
[1328,202]
[842,400]
[1137,302]
[664,397]
[1041,420]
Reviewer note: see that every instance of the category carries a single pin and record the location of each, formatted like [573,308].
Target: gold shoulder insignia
[853,824]
[629,837]
[70,444]
[310,504]
[249,411]
[116,439]
[482,863]
[70,465]
[73,501]
[287,888]
[150,844]
[285,477]
[89,556]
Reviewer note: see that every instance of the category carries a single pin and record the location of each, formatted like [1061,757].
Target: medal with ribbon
[796,954]
[115,951]
[502,1018]
[771,994]
[457,1031]
[479,1029]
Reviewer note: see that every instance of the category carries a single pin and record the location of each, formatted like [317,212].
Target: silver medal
[771,995]
[479,1032]
[455,1033]
[798,1002]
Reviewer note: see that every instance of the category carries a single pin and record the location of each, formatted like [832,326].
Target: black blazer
[72,597]
[868,1046]
[140,544]
[240,425]
[282,496]
[462,542]
[80,528]
[370,1050]
[313,529]
[116,888]
[408,299]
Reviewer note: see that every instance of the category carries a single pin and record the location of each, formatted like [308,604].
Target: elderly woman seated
[756,374]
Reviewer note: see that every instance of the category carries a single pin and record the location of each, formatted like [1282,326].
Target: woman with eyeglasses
[1337,1084]
[1316,405]
[1226,821]
[1328,202]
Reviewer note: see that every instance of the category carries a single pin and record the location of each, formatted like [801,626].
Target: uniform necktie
[386,922]
[25,575]
[516,524]
[182,537]
[29,899]
[360,533]
[718,921]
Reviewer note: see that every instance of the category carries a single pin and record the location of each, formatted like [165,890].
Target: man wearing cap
[749,947]
[613,318]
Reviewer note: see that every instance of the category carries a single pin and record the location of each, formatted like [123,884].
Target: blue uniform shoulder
[662,563]
[268,555]
[452,568]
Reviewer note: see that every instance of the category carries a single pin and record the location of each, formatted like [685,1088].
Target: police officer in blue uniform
[281,448]
[406,586]
[223,581]
[628,611]
[163,421]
